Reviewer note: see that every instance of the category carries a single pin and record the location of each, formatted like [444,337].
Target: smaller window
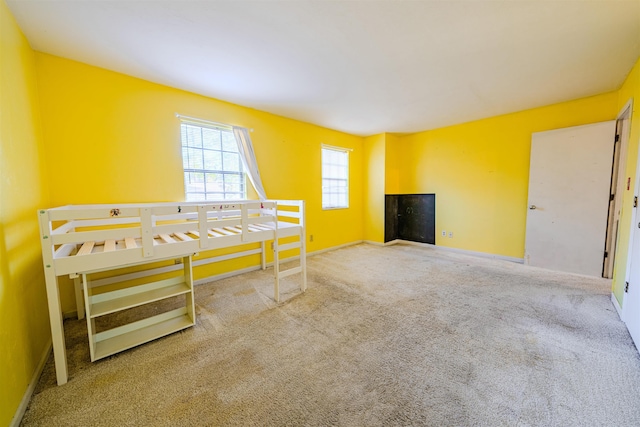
[335,178]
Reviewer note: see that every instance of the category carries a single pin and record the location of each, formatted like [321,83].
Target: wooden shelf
[112,302]
[114,340]
[134,334]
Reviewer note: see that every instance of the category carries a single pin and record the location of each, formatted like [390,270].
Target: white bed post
[303,246]
[188,277]
[263,246]
[91,323]
[77,284]
[263,255]
[276,255]
[53,299]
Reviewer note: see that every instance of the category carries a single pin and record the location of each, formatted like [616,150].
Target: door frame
[618,177]
[632,229]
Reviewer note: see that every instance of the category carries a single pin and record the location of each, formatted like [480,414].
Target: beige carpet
[393,336]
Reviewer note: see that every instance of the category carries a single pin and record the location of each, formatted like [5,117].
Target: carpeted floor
[393,336]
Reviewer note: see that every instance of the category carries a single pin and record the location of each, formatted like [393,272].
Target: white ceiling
[362,67]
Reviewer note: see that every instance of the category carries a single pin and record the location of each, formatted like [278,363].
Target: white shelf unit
[111,341]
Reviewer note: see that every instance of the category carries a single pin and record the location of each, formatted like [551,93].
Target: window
[211,162]
[335,178]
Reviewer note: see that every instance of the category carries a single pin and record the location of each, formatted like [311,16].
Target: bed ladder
[280,247]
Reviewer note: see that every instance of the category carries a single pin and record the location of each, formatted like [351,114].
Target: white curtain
[249,159]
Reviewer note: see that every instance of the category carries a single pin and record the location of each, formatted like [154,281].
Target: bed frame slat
[130,243]
[86,248]
[182,237]
[223,231]
[167,239]
[109,245]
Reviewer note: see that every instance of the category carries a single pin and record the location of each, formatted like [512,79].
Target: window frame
[345,177]
[203,124]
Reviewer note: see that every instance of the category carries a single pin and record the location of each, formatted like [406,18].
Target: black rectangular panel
[390,217]
[416,217]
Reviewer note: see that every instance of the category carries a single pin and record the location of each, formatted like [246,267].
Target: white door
[569,183]
[631,307]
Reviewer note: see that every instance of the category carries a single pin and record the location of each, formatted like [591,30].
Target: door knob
[532,207]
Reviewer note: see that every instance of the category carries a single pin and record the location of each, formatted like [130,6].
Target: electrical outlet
[451,234]
[311,237]
[444,233]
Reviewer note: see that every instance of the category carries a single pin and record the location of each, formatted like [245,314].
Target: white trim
[269,264]
[333,248]
[228,274]
[389,243]
[627,106]
[463,251]
[615,303]
[334,147]
[203,122]
[632,228]
[26,398]
[483,254]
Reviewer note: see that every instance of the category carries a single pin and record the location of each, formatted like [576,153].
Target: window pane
[194,182]
[195,158]
[232,184]
[231,161]
[215,182]
[229,142]
[183,135]
[185,158]
[194,136]
[211,139]
[195,197]
[233,196]
[210,158]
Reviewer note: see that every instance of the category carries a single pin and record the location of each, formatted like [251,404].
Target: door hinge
[635,201]
[617,138]
[611,197]
[626,287]
[606,254]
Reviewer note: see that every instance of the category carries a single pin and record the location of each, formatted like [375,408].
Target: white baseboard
[228,274]
[26,398]
[483,254]
[615,303]
[333,248]
[389,243]
[462,251]
[371,242]
[269,264]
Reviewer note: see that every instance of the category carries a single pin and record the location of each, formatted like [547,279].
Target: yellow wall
[630,90]
[24,323]
[479,172]
[374,183]
[112,138]
[107,137]
[392,165]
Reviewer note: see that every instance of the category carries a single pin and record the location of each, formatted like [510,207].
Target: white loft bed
[84,239]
